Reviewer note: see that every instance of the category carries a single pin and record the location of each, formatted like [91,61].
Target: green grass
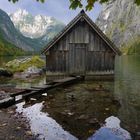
[20,66]
[8,49]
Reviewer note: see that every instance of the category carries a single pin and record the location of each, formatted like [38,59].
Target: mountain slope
[13,36]
[7,48]
[38,26]
[120,20]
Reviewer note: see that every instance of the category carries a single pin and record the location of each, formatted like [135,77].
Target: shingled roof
[82,15]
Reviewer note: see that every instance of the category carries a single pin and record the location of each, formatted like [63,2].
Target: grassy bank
[20,65]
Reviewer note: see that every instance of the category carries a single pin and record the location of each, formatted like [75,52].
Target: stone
[83,117]
[93,121]
[33,70]
[7,102]
[33,99]
[18,128]
[11,112]
[5,73]
[44,94]
[29,133]
[4,124]
[107,109]
[70,113]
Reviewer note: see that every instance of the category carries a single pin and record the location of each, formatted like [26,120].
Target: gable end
[82,16]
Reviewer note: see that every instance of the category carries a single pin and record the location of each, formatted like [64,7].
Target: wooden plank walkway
[37,90]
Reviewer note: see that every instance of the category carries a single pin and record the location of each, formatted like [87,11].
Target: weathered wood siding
[77,58]
[80,51]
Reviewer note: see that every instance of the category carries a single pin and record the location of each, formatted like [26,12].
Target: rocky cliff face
[12,35]
[26,31]
[38,26]
[120,20]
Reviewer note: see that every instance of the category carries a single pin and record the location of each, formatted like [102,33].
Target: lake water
[23,83]
[58,116]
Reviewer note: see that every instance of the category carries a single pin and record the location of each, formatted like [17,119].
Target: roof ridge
[91,23]
[82,11]
[101,33]
[61,32]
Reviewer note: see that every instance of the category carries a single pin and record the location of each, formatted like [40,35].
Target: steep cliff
[39,26]
[13,36]
[120,21]
[26,32]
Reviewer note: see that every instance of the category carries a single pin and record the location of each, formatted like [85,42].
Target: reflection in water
[43,125]
[111,131]
[81,116]
[126,90]
[86,112]
[23,83]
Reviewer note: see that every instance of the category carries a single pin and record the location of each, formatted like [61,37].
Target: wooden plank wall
[57,61]
[77,58]
[99,55]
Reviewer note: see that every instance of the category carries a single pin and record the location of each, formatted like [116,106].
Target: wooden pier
[26,94]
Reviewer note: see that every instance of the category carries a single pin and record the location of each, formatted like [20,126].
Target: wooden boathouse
[81,48]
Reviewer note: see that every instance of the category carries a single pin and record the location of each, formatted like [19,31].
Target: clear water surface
[59,116]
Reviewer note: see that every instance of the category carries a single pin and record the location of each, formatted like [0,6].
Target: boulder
[33,70]
[5,73]
[29,72]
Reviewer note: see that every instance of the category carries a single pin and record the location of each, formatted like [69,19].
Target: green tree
[78,3]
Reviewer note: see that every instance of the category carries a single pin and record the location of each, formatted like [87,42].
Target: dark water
[127,91]
[77,111]
[23,83]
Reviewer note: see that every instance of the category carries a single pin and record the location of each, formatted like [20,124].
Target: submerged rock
[83,117]
[94,121]
[21,75]
[29,72]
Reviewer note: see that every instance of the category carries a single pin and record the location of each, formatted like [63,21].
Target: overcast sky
[56,8]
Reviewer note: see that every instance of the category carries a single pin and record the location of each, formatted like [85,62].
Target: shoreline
[13,126]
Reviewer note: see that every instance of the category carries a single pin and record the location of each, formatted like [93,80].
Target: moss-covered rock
[20,65]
